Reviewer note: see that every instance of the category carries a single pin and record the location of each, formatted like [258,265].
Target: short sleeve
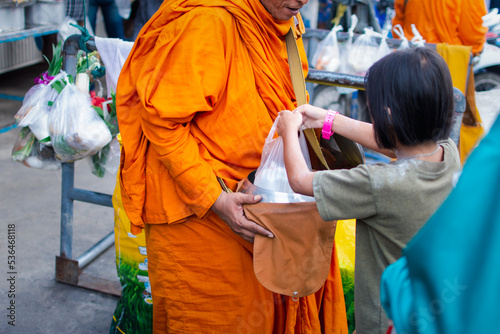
[344,194]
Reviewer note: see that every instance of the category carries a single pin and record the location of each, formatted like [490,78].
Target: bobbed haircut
[410,97]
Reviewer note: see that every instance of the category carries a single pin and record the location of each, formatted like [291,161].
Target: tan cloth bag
[297,261]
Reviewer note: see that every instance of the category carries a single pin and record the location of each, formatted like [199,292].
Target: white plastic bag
[271,174]
[417,40]
[106,161]
[363,52]
[383,48]
[37,107]
[346,49]
[327,55]
[398,30]
[31,153]
[76,130]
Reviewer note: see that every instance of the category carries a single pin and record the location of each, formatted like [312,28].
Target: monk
[196,98]
[456,22]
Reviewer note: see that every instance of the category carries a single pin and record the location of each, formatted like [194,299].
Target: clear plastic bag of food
[106,161]
[32,153]
[36,109]
[327,55]
[345,50]
[363,52]
[383,48]
[271,174]
[398,30]
[76,130]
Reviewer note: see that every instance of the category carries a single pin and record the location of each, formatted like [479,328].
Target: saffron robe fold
[195,101]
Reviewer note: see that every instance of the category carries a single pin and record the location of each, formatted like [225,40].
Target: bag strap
[299,87]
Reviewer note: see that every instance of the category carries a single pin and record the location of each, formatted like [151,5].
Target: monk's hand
[229,207]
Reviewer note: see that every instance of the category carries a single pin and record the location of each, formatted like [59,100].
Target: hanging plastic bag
[398,30]
[31,153]
[363,52]
[76,130]
[345,48]
[106,161]
[37,106]
[417,40]
[383,48]
[327,54]
[271,174]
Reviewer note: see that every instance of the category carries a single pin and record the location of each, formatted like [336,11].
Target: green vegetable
[55,64]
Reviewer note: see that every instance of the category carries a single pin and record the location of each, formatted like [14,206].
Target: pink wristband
[327,131]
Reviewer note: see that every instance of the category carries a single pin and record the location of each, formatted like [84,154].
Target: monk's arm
[471,29]
[175,87]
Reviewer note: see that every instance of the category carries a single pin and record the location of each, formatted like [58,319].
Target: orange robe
[457,22]
[196,98]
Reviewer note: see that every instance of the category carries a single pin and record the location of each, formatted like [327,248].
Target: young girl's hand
[312,117]
[289,122]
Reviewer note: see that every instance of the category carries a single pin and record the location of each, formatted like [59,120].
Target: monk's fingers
[262,231]
[254,228]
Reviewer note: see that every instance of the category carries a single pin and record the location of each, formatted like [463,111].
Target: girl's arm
[360,132]
[299,175]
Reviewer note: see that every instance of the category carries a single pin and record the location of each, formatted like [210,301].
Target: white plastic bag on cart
[327,54]
[398,30]
[271,174]
[346,47]
[417,40]
[37,107]
[363,52]
[383,48]
[76,130]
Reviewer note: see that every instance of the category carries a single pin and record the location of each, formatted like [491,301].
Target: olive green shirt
[391,202]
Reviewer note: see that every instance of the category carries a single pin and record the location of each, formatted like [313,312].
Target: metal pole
[96,250]
[67,185]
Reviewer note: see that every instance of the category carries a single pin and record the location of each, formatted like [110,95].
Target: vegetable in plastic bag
[327,54]
[271,174]
[107,160]
[31,153]
[76,130]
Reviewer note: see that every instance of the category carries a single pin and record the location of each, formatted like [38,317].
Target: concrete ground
[30,204]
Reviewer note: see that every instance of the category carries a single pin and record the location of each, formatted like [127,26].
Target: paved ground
[30,205]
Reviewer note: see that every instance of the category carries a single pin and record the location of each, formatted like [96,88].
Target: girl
[410,101]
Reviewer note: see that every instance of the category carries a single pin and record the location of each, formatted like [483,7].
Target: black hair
[410,97]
